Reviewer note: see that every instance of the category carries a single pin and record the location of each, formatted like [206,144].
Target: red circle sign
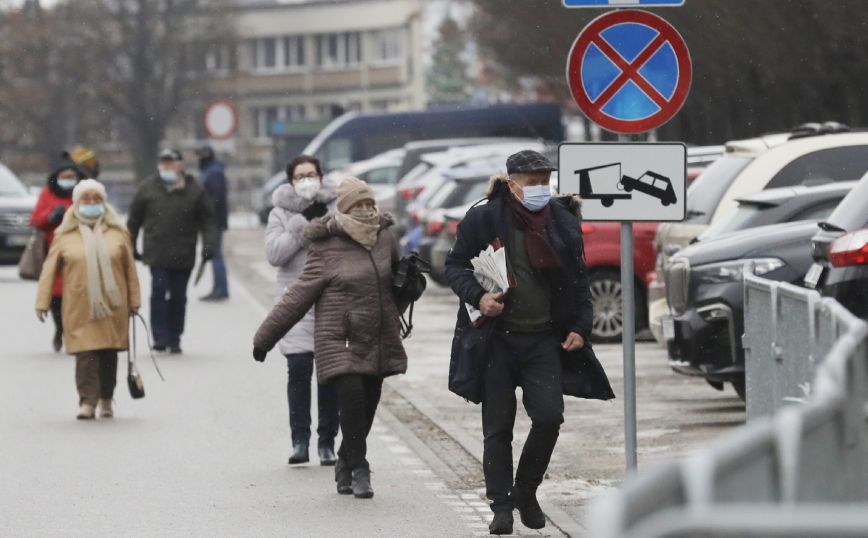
[629,71]
[221,120]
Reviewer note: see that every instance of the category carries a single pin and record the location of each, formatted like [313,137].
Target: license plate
[668,329]
[815,273]
[17,240]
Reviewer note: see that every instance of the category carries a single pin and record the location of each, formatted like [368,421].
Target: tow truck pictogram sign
[625,181]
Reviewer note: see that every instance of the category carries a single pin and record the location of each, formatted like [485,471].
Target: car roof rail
[817,129]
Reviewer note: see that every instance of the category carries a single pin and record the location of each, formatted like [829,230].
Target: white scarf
[99,269]
[362,230]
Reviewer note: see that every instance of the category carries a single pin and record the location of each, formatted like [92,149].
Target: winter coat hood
[52,178]
[285,196]
[497,187]
[325,227]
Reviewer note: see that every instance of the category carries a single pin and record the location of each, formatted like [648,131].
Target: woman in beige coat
[357,341]
[101,288]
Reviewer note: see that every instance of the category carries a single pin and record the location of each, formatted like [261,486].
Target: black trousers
[168,304]
[358,397]
[529,361]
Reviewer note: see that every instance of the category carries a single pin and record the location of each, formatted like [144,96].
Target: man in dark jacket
[173,210]
[214,180]
[532,336]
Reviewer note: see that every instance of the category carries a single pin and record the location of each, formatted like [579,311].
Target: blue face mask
[169,176]
[66,184]
[536,198]
[91,210]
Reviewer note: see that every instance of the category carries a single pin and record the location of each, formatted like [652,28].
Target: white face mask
[307,188]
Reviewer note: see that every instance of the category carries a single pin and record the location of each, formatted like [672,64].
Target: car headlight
[721,273]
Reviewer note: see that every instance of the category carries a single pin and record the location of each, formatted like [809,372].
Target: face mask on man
[66,184]
[91,210]
[307,188]
[169,176]
[535,197]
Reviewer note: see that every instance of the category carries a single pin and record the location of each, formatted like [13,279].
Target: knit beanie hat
[83,156]
[87,185]
[352,191]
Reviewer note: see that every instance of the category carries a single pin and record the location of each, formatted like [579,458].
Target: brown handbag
[30,264]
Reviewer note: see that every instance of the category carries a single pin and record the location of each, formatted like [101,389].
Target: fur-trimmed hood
[285,196]
[497,187]
[325,227]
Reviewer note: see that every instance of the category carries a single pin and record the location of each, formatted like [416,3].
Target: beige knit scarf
[362,230]
[99,269]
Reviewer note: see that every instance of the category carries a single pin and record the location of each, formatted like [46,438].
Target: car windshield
[381,176]
[852,213]
[737,219]
[9,184]
[705,192]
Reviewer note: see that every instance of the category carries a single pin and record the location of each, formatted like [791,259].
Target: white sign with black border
[626,181]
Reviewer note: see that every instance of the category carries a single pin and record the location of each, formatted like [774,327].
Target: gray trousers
[96,374]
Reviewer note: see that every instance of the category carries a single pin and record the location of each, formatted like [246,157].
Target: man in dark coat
[173,210]
[534,336]
[213,178]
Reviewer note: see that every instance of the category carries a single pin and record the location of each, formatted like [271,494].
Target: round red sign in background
[624,61]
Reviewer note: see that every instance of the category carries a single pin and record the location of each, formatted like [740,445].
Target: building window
[218,59]
[388,46]
[267,120]
[270,54]
[336,51]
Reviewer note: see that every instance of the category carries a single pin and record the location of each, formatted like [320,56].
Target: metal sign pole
[628,339]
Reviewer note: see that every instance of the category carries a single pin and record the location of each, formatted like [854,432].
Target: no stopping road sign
[629,71]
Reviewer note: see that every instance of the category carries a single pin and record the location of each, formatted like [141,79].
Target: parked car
[16,205]
[840,253]
[705,290]
[809,155]
[356,137]
[417,187]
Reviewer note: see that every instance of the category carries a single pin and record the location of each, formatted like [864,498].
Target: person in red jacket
[53,202]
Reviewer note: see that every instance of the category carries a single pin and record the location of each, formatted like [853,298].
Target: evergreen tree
[447,79]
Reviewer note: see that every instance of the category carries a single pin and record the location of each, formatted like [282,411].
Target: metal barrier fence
[800,472]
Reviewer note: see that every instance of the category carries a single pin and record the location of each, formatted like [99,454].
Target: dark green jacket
[172,221]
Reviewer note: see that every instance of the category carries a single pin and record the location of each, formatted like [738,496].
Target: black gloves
[207,255]
[259,354]
[315,210]
[56,215]
[137,255]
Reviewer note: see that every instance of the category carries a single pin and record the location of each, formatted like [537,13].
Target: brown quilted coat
[357,327]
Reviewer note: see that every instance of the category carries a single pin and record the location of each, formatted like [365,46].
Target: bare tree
[149,63]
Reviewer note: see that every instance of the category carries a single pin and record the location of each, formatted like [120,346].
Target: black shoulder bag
[408,285]
[134,377]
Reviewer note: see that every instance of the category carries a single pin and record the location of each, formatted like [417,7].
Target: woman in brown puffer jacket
[357,341]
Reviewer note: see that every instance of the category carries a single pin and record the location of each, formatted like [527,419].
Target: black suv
[840,251]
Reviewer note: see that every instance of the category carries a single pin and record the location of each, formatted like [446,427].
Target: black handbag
[134,377]
[408,285]
[467,365]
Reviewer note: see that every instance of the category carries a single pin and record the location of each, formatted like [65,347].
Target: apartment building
[298,65]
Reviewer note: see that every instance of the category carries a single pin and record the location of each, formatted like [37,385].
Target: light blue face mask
[536,197]
[169,176]
[67,184]
[91,210]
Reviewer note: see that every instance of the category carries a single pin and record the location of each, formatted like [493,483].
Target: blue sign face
[621,3]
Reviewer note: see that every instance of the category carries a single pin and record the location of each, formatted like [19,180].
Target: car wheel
[739,387]
[608,313]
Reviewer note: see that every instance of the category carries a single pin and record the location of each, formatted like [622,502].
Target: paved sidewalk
[203,454]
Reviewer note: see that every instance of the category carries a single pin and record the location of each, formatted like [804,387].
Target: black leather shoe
[529,510]
[343,478]
[501,524]
[175,349]
[299,455]
[362,483]
[327,456]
